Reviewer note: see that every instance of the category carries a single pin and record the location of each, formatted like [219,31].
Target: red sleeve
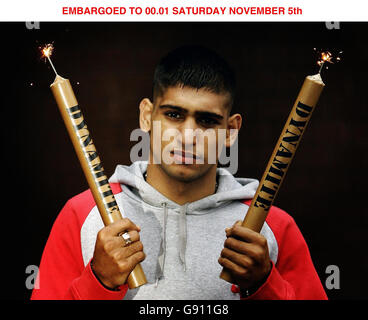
[294,276]
[62,274]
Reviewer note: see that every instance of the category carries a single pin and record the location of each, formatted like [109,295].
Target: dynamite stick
[283,153]
[88,157]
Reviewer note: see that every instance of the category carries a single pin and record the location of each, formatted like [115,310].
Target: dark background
[110,66]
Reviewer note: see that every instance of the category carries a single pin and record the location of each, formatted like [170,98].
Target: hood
[229,188]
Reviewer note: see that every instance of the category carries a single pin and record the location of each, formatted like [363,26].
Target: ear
[145,114]
[233,126]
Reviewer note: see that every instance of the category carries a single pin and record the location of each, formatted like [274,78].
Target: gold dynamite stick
[88,158]
[282,156]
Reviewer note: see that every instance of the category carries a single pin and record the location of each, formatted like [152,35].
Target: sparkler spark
[47,52]
[327,56]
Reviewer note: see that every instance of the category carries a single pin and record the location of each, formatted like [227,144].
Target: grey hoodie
[182,243]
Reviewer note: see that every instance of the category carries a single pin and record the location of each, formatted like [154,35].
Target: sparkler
[47,52]
[327,56]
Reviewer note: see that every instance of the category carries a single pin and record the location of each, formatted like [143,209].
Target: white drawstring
[183,234]
[162,253]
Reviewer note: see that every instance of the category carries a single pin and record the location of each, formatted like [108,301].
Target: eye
[173,115]
[207,121]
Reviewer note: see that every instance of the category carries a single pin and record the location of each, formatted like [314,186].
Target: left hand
[246,256]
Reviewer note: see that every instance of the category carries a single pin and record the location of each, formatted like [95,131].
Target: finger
[237,258]
[137,257]
[233,267]
[118,241]
[237,245]
[121,225]
[245,234]
[134,259]
[252,250]
[128,264]
[237,223]
[134,236]
[133,248]
[122,253]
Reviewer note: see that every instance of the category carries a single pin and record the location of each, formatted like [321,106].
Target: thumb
[237,223]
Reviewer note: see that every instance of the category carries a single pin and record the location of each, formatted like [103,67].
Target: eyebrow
[197,113]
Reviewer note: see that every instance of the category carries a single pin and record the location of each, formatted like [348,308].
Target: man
[179,209]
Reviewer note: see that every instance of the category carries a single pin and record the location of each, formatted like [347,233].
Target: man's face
[185,123]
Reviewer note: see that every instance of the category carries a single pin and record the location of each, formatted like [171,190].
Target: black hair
[196,67]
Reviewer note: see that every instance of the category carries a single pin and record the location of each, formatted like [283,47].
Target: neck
[178,191]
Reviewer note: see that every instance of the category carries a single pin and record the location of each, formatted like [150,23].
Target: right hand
[113,261]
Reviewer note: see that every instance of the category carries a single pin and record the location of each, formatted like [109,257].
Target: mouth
[180,156]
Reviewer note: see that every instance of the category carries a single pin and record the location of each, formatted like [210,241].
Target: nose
[187,130]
